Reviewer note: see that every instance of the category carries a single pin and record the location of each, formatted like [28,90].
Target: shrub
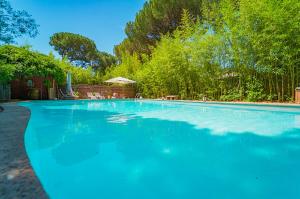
[255,91]
[22,62]
[232,95]
[6,72]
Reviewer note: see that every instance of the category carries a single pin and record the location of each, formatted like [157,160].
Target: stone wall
[106,91]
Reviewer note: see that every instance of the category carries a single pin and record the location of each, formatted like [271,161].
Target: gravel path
[17,179]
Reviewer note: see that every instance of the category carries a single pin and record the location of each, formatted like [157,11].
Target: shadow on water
[126,156]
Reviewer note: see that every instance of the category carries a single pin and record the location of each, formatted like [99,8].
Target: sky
[100,20]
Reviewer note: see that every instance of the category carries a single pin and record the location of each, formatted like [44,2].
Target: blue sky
[101,20]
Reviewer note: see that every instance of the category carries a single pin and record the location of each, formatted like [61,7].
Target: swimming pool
[159,150]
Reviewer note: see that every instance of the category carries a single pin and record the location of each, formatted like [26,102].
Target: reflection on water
[126,149]
[297,121]
[220,119]
[119,118]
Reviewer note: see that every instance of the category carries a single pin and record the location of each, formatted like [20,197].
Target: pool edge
[17,179]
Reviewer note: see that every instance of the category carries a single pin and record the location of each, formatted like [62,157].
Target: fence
[5,92]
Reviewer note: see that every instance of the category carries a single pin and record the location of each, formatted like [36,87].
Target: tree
[235,50]
[78,49]
[264,42]
[81,51]
[157,18]
[103,61]
[183,63]
[127,68]
[15,23]
[79,75]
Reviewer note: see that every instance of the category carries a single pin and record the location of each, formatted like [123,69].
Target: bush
[130,64]
[6,72]
[232,95]
[17,62]
[272,97]
[255,91]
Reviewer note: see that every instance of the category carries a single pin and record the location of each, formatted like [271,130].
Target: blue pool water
[164,150]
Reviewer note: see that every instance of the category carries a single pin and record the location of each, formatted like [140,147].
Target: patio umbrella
[120,80]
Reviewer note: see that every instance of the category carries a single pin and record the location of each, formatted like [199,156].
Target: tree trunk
[277,88]
[282,88]
[293,83]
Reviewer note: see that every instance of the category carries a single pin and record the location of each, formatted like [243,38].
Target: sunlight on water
[152,149]
[220,119]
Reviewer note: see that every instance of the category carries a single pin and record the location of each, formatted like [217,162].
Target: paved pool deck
[17,178]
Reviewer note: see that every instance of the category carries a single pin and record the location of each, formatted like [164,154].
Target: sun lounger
[66,96]
[99,96]
[91,96]
[115,96]
[138,96]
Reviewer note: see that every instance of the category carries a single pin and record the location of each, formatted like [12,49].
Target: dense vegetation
[22,62]
[219,49]
[234,50]
[156,18]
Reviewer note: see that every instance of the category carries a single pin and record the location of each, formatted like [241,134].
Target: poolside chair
[115,96]
[99,96]
[138,96]
[91,96]
[66,96]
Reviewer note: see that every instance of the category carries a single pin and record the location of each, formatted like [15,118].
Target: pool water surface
[115,149]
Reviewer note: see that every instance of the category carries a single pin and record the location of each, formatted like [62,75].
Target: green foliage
[78,49]
[227,50]
[47,83]
[255,91]
[19,62]
[14,23]
[272,97]
[264,40]
[127,68]
[181,64]
[80,75]
[81,51]
[6,72]
[103,61]
[158,17]
[231,95]
[220,49]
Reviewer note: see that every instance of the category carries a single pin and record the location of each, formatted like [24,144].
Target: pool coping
[267,104]
[274,104]
[17,177]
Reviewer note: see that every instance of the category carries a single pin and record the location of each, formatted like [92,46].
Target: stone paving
[17,179]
